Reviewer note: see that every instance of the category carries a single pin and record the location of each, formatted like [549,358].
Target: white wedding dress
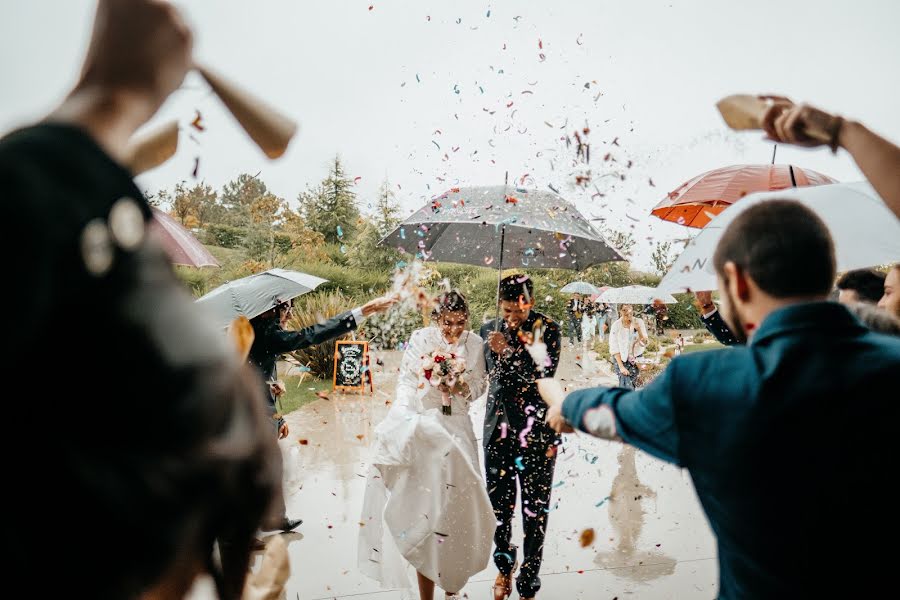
[425,505]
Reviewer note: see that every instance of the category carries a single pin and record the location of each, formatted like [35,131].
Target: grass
[226,255]
[701,347]
[299,393]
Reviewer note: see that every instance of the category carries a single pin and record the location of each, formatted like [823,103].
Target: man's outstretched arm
[644,418]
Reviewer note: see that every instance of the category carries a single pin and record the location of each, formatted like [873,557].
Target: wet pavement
[652,540]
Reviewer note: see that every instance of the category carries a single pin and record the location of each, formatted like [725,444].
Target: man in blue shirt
[788,438]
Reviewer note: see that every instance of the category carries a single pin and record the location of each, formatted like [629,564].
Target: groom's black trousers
[534,472]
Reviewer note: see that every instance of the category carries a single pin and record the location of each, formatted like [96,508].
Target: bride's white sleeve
[408,381]
[478,374]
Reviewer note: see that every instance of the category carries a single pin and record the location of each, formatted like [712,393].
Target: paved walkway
[652,540]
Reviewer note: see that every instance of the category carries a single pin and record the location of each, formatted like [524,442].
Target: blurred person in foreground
[153,447]
[782,435]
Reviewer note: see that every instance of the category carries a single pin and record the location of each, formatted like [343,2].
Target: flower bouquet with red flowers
[444,370]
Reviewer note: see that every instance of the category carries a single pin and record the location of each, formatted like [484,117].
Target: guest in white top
[627,339]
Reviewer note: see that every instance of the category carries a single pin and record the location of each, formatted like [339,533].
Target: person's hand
[140,52]
[624,370]
[556,421]
[497,342]
[142,46]
[277,388]
[283,430]
[551,391]
[378,305]
[704,302]
[800,124]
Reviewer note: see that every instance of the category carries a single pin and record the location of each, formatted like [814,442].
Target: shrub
[224,235]
[652,345]
[700,337]
[197,280]
[683,315]
[665,340]
[648,372]
[602,350]
[357,285]
[309,310]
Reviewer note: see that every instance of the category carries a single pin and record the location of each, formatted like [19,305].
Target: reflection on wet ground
[626,516]
[652,540]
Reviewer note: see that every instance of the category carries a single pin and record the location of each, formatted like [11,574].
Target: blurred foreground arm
[140,52]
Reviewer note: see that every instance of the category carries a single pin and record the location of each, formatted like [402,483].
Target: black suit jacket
[271,341]
[717,326]
[512,381]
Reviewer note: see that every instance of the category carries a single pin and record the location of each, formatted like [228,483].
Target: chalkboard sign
[351,366]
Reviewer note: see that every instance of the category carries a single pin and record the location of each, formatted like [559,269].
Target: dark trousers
[628,381]
[573,328]
[534,473]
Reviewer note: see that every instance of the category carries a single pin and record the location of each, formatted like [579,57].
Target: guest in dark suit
[713,320]
[782,435]
[574,310]
[518,444]
[271,340]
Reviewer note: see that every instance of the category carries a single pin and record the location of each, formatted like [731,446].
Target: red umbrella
[696,201]
[179,243]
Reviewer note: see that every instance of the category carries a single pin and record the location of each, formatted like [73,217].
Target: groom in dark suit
[518,444]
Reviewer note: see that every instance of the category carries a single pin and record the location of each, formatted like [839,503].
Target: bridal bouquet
[444,368]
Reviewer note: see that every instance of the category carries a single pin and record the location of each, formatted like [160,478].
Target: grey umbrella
[253,295]
[499,226]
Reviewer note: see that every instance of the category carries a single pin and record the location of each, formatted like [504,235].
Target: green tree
[387,210]
[238,196]
[662,257]
[621,241]
[366,252]
[330,207]
[198,204]
[265,216]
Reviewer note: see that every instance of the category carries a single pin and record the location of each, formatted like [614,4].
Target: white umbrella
[865,232]
[635,294]
[252,296]
[580,287]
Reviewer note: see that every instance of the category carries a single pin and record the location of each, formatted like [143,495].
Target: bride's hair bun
[451,301]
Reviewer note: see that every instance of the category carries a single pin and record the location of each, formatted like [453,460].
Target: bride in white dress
[425,503]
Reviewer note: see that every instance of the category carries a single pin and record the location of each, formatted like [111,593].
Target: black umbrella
[497,226]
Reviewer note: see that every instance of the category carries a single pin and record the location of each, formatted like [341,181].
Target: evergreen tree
[330,208]
[387,210]
[366,253]
[238,196]
[661,257]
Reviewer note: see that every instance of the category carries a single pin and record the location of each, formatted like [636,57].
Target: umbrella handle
[500,275]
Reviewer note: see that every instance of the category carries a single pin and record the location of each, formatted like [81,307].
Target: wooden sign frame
[366,376]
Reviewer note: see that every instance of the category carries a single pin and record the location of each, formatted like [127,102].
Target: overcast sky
[411,89]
